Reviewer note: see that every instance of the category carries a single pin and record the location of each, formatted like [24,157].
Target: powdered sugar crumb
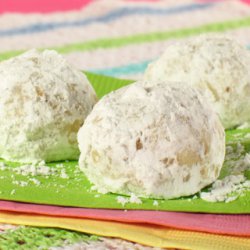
[155,203]
[122,200]
[35,181]
[134,199]
[64,175]
[227,190]
[20,183]
[235,183]
[13,192]
[34,170]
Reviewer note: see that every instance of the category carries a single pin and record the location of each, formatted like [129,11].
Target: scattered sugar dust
[132,199]
[32,172]
[234,185]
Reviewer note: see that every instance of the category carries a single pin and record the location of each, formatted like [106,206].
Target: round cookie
[161,141]
[43,103]
[217,65]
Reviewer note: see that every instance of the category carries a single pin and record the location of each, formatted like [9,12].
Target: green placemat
[63,184]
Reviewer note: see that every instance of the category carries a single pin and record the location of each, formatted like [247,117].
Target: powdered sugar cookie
[43,103]
[152,140]
[217,65]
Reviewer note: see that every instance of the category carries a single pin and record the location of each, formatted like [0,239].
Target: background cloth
[115,37]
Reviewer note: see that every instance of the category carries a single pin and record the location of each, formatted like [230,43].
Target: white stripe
[115,57]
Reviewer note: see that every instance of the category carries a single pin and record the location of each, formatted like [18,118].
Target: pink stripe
[143,0]
[46,6]
[41,6]
[246,1]
[219,224]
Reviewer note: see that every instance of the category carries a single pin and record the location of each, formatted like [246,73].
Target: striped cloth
[117,37]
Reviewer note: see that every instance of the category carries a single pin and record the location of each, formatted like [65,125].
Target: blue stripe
[111,16]
[130,69]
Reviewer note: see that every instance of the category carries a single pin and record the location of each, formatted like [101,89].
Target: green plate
[75,190]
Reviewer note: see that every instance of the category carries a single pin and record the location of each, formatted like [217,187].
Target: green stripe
[9,54]
[35,237]
[142,38]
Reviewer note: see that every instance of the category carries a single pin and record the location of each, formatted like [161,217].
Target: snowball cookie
[43,103]
[218,65]
[160,141]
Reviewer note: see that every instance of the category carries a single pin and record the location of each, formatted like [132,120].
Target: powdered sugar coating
[217,65]
[159,141]
[43,103]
